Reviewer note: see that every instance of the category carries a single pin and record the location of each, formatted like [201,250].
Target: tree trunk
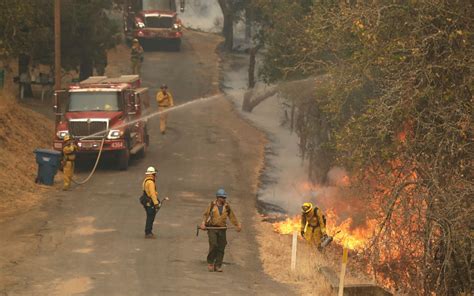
[253,52]
[23,68]
[86,69]
[248,104]
[228,29]
[228,32]
[248,24]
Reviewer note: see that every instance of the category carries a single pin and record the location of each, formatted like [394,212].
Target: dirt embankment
[21,131]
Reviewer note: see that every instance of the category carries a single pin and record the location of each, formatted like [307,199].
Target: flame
[288,226]
[354,239]
[345,234]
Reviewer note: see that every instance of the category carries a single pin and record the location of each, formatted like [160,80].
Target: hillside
[21,131]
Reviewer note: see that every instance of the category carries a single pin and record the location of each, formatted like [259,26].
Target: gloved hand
[157,206]
[302,233]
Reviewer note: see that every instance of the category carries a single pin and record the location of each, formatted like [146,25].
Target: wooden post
[57,44]
[293,250]
[343,271]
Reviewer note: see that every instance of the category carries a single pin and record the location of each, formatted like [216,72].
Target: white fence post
[293,250]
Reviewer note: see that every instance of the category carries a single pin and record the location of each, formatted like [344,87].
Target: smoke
[285,180]
[202,15]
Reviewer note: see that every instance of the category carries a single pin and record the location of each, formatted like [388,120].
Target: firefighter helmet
[307,207]
[164,86]
[221,193]
[151,171]
[67,137]
[135,40]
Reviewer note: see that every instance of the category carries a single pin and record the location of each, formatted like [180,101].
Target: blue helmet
[221,193]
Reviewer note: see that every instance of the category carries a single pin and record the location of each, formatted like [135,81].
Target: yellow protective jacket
[313,219]
[137,53]
[212,217]
[69,151]
[149,187]
[164,100]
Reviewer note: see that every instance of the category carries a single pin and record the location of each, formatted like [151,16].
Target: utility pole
[57,44]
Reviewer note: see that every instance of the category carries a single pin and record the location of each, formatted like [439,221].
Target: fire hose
[95,165]
[211,228]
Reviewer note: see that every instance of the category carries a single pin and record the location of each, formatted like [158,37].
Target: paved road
[90,241]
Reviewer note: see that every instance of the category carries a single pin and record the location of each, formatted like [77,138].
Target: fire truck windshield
[94,101]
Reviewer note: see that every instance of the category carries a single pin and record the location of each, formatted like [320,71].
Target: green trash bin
[2,77]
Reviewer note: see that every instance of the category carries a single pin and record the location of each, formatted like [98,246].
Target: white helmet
[150,171]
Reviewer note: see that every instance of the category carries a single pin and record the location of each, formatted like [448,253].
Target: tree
[394,108]
[87,32]
[230,10]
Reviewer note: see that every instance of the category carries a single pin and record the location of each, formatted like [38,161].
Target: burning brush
[290,225]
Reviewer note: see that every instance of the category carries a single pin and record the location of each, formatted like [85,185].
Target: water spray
[200,100]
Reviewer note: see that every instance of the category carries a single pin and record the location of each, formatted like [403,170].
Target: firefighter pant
[217,243]
[150,218]
[163,119]
[136,67]
[68,171]
[313,235]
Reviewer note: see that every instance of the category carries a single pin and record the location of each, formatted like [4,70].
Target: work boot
[210,267]
[218,268]
[150,236]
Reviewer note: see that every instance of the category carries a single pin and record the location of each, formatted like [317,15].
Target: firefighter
[69,157]
[152,203]
[136,57]
[313,224]
[216,215]
[165,100]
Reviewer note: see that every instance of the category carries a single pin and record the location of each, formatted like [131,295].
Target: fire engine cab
[108,110]
[154,22]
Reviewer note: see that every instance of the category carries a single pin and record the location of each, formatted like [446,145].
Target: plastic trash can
[48,163]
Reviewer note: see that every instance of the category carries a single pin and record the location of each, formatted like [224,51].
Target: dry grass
[21,131]
[275,254]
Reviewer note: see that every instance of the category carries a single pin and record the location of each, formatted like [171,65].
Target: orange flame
[354,239]
[288,226]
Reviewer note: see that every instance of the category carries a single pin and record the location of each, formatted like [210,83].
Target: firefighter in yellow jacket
[165,100]
[313,226]
[136,56]
[216,215]
[69,157]
[152,204]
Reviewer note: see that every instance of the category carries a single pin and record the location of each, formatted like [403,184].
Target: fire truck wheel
[123,159]
[141,153]
[176,45]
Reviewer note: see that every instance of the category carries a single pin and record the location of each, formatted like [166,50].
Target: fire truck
[104,114]
[153,22]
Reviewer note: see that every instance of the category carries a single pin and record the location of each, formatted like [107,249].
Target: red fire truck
[108,110]
[153,22]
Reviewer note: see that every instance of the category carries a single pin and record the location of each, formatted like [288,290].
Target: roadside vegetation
[392,103]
